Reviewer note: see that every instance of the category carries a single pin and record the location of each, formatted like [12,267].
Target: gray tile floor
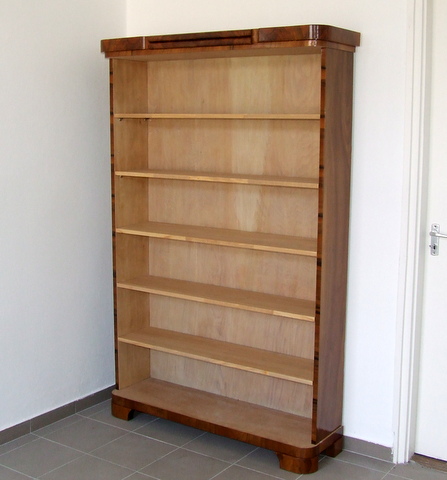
[93,445]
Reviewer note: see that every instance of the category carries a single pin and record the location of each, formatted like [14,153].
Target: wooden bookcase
[231,173]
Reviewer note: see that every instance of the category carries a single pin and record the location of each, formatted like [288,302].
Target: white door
[431,430]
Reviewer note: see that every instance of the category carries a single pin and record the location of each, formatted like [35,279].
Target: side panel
[335,166]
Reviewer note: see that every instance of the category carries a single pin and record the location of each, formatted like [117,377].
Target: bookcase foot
[121,412]
[298,465]
[335,448]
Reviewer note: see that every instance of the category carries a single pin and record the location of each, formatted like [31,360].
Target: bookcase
[230,179]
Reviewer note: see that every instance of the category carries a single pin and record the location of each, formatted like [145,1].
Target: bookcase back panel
[131,144]
[131,265]
[278,274]
[268,332]
[235,85]
[259,147]
[129,86]
[133,364]
[129,212]
[285,211]
[133,310]
[257,389]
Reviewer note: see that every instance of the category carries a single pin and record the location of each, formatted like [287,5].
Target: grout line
[363,466]
[224,470]
[163,456]
[16,471]
[80,413]
[19,446]
[60,427]
[236,464]
[115,426]
[64,464]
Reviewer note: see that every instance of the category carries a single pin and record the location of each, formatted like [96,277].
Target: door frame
[414,241]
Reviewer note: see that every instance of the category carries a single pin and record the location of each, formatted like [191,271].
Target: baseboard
[368,449]
[55,415]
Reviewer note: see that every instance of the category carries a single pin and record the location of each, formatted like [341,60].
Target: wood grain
[282,211]
[280,427]
[300,35]
[133,364]
[229,297]
[263,331]
[237,178]
[222,88]
[278,431]
[249,147]
[219,116]
[241,357]
[335,165]
[225,237]
[263,390]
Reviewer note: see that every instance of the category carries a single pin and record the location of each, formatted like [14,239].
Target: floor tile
[332,469]
[170,432]
[105,416]
[241,473]
[363,461]
[18,442]
[185,465]
[220,447]
[414,471]
[88,468]
[7,474]
[38,457]
[66,422]
[88,412]
[86,435]
[266,461]
[133,451]
[139,476]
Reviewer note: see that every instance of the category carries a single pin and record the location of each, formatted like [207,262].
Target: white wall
[377,171]
[56,313]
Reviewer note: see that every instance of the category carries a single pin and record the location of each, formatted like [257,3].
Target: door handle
[435,234]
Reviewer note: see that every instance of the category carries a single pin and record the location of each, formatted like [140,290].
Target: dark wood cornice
[293,36]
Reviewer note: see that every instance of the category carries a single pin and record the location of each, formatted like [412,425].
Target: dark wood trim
[294,36]
[332,256]
[325,33]
[121,44]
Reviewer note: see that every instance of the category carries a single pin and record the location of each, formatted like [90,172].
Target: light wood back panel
[136,263]
[286,211]
[131,144]
[257,330]
[235,85]
[262,390]
[131,201]
[133,364]
[130,86]
[133,309]
[258,147]
[278,274]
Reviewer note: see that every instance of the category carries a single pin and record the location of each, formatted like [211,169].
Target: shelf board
[255,360]
[219,116]
[218,414]
[267,242]
[224,296]
[243,179]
